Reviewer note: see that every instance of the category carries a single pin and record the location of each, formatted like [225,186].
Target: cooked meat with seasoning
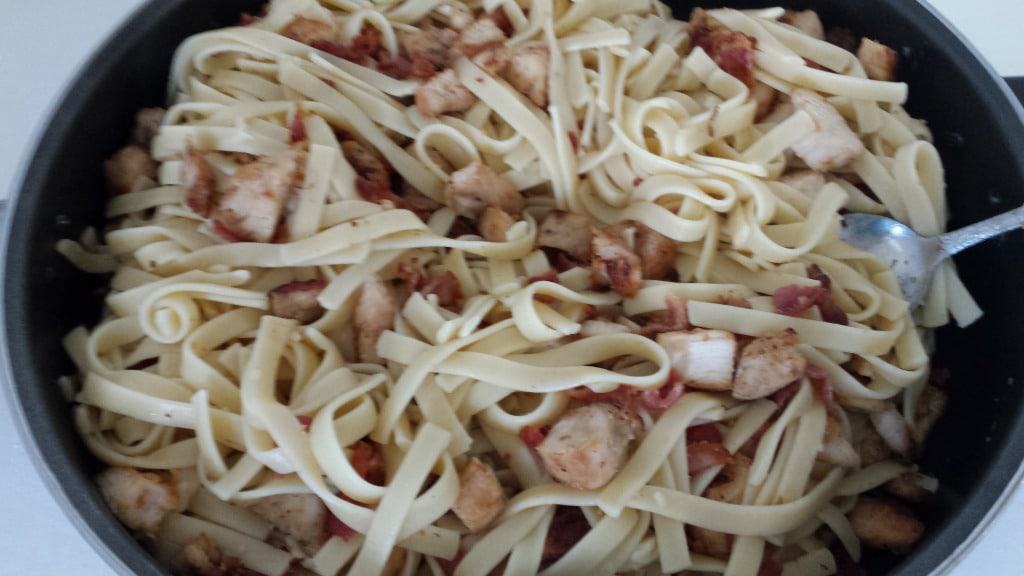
[253,201]
[367,163]
[709,542]
[128,168]
[443,94]
[429,49]
[767,365]
[374,313]
[310,31]
[302,517]
[494,224]
[731,482]
[204,557]
[703,359]
[833,144]
[567,232]
[141,500]
[528,73]
[836,447]
[475,187]
[879,60]
[614,262]
[657,253]
[147,126]
[478,36]
[200,182]
[893,428]
[587,446]
[885,524]
[480,499]
[930,407]
[297,300]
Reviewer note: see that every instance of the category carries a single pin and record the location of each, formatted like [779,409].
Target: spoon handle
[958,240]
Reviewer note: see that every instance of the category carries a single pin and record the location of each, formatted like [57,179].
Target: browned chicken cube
[909,487]
[125,169]
[894,430]
[930,407]
[494,224]
[528,73]
[429,49]
[141,500]
[832,144]
[567,232]
[302,517]
[767,365]
[297,300]
[147,126]
[709,542]
[480,498]
[612,260]
[374,313]
[886,525]
[836,447]
[588,446]
[703,359]
[657,252]
[204,557]
[475,187]
[310,31]
[253,202]
[879,60]
[479,35]
[200,183]
[443,94]
[731,482]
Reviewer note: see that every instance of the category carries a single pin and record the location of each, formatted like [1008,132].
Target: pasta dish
[537,287]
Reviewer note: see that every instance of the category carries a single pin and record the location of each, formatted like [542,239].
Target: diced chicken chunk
[836,447]
[587,446]
[843,38]
[458,14]
[479,35]
[930,407]
[768,365]
[199,181]
[374,313]
[879,60]
[806,21]
[657,252]
[528,73]
[302,517]
[731,482]
[709,542]
[429,49]
[475,187]
[871,448]
[480,499]
[910,486]
[251,206]
[832,144]
[309,31]
[443,94]
[297,300]
[367,163]
[567,232]
[494,224]
[807,182]
[612,260]
[598,327]
[125,169]
[732,51]
[883,524]
[141,500]
[893,428]
[204,557]
[494,60]
[703,359]
[673,318]
[147,126]
[766,98]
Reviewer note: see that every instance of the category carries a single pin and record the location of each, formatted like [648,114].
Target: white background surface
[42,44]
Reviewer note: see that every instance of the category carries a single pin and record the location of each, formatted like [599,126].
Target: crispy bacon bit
[567,232]
[340,50]
[879,60]
[446,286]
[662,397]
[127,167]
[335,527]
[673,318]
[297,129]
[561,260]
[574,139]
[830,311]
[297,300]
[532,436]
[732,51]
[613,261]
[770,566]
[568,527]
[884,524]
[368,462]
[794,300]
[367,163]
[199,181]
[461,227]
[703,455]
[397,67]
[304,421]
[704,433]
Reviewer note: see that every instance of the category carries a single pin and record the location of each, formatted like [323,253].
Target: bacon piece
[806,21]
[430,49]
[396,66]
[479,36]
[368,462]
[204,557]
[879,60]
[657,253]
[480,498]
[842,37]
[709,542]
[893,428]
[297,300]
[147,126]
[568,527]
[731,482]
[767,365]
[794,300]
[613,260]
[704,433]
[446,286]
[374,313]
[703,359]
[732,51]
[783,396]
[442,94]
[673,318]
[830,311]
[129,168]
[886,525]
[587,446]
[770,566]
[140,500]
[367,164]
[532,436]
[528,73]
[309,31]
[832,144]
[473,188]
[567,232]
[494,224]
[199,181]
[297,129]
[335,527]
[253,202]
[301,516]
[662,397]
[703,455]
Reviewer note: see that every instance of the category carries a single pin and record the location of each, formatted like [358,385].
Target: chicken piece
[429,49]
[673,318]
[458,14]
[126,167]
[199,181]
[367,164]
[587,446]
[253,202]
[298,301]
[528,73]
[147,126]
[494,60]
[894,430]
[709,542]
[879,60]
[374,313]
[443,94]
[910,486]
[445,286]
[930,407]
[732,51]
[204,557]
[302,517]
[703,359]
[494,224]
[657,253]
[836,448]
[806,21]
[310,31]
[731,481]
[612,260]
[141,500]
[767,365]
[886,525]
[482,34]
[833,144]
[843,38]
[766,98]
[871,448]
[480,499]
[475,187]
[567,232]
[807,182]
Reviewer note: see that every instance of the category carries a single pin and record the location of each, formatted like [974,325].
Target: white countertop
[42,44]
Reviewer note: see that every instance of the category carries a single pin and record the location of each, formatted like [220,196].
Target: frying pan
[975,451]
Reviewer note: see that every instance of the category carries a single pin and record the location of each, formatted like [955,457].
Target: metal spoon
[912,257]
